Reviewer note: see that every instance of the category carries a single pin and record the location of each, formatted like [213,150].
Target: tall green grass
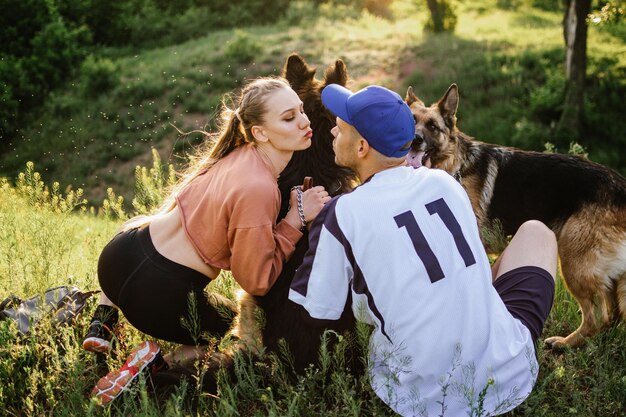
[50,238]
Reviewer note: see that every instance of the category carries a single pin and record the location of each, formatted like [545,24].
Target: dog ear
[336,74]
[448,104]
[297,72]
[412,98]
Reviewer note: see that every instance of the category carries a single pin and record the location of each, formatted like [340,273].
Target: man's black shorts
[528,293]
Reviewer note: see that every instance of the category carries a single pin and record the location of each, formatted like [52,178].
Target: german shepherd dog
[584,204]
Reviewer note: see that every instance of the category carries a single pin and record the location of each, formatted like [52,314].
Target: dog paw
[556,343]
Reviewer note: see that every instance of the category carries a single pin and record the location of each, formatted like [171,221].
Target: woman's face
[286,126]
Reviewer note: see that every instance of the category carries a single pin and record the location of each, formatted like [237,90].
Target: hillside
[507,64]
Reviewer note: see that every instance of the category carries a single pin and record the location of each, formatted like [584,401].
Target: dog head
[435,140]
[318,161]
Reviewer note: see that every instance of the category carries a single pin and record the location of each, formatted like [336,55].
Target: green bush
[39,52]
[98,75]
[508,4]
[21,21]
[56,51]
[546,100]
[339,10]
[8,111]
[299,11]
[243,48]
[549,5]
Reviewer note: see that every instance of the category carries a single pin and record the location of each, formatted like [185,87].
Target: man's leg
[534,244]
[524,275]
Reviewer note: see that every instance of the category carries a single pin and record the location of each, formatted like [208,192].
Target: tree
[575,35]
[442,16]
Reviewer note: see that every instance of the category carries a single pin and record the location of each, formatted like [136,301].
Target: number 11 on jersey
[423,250]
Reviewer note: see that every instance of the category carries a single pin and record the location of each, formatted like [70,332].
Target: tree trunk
[575,34]
[436,13]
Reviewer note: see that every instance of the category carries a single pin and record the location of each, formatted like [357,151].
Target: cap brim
[335,98]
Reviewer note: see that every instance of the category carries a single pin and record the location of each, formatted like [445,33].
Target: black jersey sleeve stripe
[300,281]
[359,285]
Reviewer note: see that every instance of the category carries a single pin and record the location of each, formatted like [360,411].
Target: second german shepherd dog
[584,203]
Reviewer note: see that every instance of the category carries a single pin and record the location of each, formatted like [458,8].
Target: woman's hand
[313,200]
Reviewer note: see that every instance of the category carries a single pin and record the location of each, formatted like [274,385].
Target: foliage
[43,41]
[39,52]
[243,48]
[510,83]
[113,206]
[508,4]
[609,18]
[610,13]
[550,5]
[98,75]
[151,185]
[36,222]
[299,11]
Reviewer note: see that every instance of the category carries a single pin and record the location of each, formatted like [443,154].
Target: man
[447,340]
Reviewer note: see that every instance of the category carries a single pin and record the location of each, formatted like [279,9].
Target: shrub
[298,11]
[152,184]
[243,48]
[548,5]
[508,4]
[8,111]
[98,75]
[39,52]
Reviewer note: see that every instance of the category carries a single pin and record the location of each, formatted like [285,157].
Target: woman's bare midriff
[170,240]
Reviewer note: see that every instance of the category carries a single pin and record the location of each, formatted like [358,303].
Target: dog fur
[584,203]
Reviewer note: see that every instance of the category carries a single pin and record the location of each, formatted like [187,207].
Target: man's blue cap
[378,114]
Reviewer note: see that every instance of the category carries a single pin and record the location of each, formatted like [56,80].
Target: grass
[50,238]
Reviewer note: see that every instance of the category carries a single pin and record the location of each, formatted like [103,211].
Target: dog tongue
[414,158]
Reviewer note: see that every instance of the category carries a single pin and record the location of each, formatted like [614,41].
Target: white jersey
[406,243]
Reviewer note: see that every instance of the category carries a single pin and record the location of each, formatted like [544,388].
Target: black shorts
[528,293]
[155,293]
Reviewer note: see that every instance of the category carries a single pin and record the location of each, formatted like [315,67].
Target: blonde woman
[222,215]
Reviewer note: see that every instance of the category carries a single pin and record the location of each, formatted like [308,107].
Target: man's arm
[321,284]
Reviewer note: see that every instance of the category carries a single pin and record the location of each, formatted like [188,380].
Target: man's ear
[363,148]
[259,133]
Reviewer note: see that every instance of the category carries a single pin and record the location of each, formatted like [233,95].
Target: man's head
[375,114]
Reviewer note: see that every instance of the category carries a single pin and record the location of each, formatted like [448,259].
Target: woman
[222,215]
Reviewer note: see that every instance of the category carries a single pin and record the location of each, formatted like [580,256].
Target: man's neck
[368,170]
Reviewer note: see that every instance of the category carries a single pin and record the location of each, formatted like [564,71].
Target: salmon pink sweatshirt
[229,215]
